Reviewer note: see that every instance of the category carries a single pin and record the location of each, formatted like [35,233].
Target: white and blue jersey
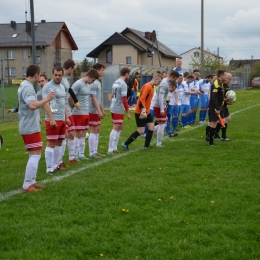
[179,70]
[204,86]
[194,98]
[186,97]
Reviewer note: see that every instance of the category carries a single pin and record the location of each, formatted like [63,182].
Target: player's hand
[217,112]
[228,101]
[50,95]
[162,113]
[129,115]
[53,124]
[143,114]
[77,105]
[68,122]
[10,111]
[100,114]
[104,114]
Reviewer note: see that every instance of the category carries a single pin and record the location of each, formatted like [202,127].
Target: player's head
[137,75]
[100,68]
[186,74]
[221,75]
[180,79]
[214,76]
[190,78]
[69,65]
[172,86]
[228,78]
[173,75]
[42,80]
[196,74]
[57,74]
[125,72]
[91,76]
[209,78]
[178,63]
[164,73]
[33,71]
[157,78]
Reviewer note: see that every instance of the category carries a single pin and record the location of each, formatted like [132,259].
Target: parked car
[256,82]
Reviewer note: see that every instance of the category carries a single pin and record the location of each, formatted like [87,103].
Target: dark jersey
[216,95]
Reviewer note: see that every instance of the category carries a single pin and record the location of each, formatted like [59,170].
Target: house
[194,53]
[235,64]
[54,45]
[134,47]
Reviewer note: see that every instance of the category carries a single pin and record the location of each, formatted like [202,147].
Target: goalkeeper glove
[143,114]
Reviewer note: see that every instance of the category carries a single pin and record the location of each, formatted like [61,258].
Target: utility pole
[2,84]
[159,57]
[202,40]
[33,39]
[8,68]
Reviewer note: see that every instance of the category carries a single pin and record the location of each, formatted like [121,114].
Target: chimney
[28,26]
[252,57]
[13,24]
[43,21]
[147,35]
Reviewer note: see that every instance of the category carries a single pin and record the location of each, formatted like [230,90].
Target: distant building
[133,47]
[54,45]
[194,53]
[235,64]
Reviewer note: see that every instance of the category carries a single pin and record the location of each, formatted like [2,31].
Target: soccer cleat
[73,161]
[143,135]
[201,122]
[212,144]
[37,186]
[100,155]
[225,139]
[30,189]
[195,123]
[173,135]
[111,153]
[159,145]
[124,146]
[185,127]
[95,156]
[147,148]
[62,166]
[50,171]
[83,158]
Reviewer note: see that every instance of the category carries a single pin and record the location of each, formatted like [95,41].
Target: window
[24,71]
[14,35]
[128,60]
[10,55]
[25,55]
[12,71]
[109,57]
[196,54]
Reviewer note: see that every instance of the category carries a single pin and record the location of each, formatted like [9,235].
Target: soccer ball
[87,135]
[231,95]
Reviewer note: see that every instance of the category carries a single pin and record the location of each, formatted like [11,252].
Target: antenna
[25,10]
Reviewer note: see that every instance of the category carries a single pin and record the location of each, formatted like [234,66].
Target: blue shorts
[194,101]
[175,111]
[169,110]
[204,101]
[185,108]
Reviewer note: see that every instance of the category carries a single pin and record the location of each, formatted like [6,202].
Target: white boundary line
[6,195]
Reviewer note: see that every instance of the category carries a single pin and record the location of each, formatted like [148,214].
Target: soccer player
[96,112]
[160,104]
[142,113]
[178,66]
[55,120]
[29,125]
[205,85]
[81,88]
[215,104]
[176,114]
[68,67]
[118,103]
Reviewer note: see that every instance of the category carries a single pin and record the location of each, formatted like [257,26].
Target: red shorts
[159,117]
[33,141]
[71,127]
[117,118]
[81,122]
[94,120]
[55,133]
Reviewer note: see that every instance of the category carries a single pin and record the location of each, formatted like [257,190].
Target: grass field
[187,200]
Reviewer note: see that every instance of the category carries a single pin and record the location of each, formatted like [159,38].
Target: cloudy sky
[230,25]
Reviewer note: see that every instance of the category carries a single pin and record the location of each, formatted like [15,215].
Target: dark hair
[190,77]
[124,71]
[58,68]
[173,84]
[174,74]
[220,73]
[69,64]
[164,71]
[32,70]
[196,70]
[186,74]
[43,75]
[209,76]
[99,66]
[93,74]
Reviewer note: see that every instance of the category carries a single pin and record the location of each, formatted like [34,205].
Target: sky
[230,26]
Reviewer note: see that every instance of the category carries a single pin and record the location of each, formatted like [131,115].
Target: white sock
[91,143]
[156,129]
[96,143]
[62,151]
[112,140]
[160,133]
[76,140]
[71,146]
[31,171]
[49,153]
[116,142]
[56,156]
[82,145]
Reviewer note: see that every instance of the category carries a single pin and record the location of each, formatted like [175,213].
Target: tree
[211,62]
[82,66]
[255,71]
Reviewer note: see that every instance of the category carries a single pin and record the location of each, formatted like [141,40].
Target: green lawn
[187,200]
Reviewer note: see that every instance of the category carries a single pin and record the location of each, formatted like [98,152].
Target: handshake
[143,114]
